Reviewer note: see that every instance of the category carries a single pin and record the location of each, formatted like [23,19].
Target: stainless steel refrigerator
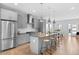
[7,34]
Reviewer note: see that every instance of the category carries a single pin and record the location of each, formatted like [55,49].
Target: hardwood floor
[20,50]
[66,46]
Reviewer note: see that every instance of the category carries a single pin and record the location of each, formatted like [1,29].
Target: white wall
[65,23]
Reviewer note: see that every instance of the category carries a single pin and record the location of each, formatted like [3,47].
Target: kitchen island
[39,42]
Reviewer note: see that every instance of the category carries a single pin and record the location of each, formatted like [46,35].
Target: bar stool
[53,43]
[45,45]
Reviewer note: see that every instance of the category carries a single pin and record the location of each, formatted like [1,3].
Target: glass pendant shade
[49,21]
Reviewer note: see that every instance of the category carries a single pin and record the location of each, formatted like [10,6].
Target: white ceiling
[62,10]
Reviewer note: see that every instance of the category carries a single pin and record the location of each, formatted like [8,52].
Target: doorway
[72,29]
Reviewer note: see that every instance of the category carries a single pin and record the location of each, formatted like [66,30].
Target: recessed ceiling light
[15,4]
[33,10]
[72,8]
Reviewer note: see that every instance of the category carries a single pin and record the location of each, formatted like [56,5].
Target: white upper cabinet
[8,14]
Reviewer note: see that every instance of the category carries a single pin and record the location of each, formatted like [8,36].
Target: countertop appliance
[7,34]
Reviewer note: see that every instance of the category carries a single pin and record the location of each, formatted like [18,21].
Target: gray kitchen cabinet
[35,44]
[22,38]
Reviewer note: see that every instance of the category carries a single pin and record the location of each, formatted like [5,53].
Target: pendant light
[49,21]
[54,17]
[54,21]
[41,18]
